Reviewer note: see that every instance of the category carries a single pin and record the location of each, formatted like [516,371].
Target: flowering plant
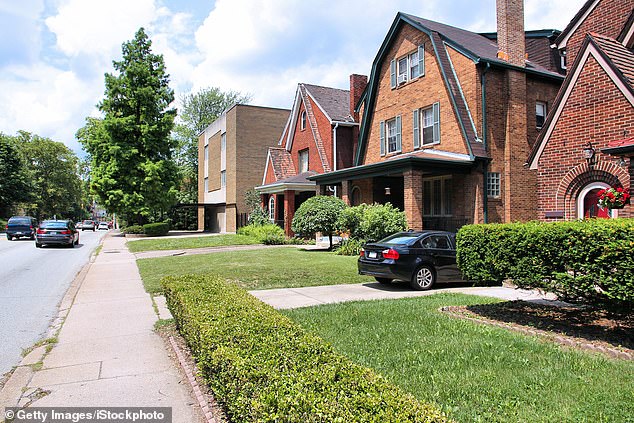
[613,198]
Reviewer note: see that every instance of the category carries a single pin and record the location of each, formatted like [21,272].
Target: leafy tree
[132,170]
[15,182]
[54,171]
[318,214]
[372,222]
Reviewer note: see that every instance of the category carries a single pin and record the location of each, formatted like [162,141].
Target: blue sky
[54,53]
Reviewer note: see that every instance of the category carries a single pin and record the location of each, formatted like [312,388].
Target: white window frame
[223,178]
[206,184]
[407,68]
[413,64]
[272,208]
[613,213]
[425,118]
[392,141]
[302,120]
[301,154]
[494,184]
[544,112]
[446,206]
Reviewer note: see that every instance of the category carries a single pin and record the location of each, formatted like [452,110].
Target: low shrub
[350,247]
[264,367]
[134,229]
[586,261]
[269,233]
[156,229]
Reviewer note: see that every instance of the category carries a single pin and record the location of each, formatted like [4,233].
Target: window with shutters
[408,67]
[390,136]
[427,125]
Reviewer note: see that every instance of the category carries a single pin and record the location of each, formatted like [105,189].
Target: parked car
[103,225]
[88,224]
[422,258]
[21,226]
[60,232]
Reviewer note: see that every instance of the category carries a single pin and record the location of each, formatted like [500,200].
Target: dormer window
[302,122]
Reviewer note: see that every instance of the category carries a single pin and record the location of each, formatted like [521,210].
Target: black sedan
[60,232]
[422,258]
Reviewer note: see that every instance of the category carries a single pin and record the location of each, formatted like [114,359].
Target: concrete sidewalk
[287,298]
[107,352]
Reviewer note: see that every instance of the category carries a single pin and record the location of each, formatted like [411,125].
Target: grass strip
[288,267]
[189,242]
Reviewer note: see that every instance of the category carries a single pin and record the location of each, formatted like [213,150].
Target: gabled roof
[477,47]
[576,21]
[334,102]
[281,162]
[295,183]
[617,62]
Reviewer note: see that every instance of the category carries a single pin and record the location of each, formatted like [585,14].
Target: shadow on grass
[591,324]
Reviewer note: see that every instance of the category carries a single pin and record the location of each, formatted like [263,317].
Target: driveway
[287,298]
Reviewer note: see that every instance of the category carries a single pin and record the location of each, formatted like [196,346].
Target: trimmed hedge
[269,234]
[588,261]
[264,367]
[134,229]
[156,229]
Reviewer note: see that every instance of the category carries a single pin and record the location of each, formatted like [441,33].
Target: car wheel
[38,245]
[9,237]
[77,242]
[32,237]
[383,280]
[423,279]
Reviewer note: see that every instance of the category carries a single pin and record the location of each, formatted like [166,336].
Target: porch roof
[624,147]
[429,161]
[294,183]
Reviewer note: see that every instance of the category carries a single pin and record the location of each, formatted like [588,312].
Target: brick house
[588,139]
[319,136]
[231,156]
[448,119]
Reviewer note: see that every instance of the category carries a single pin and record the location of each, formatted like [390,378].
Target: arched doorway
[587,203]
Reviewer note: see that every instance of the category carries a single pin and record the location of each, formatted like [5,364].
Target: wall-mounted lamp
[388,191]
[622,161]
[588,153]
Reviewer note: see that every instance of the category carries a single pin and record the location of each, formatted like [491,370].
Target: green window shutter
[436,122]
[393,74]
[382,126]
[416,129]
[398,133]
[421,60]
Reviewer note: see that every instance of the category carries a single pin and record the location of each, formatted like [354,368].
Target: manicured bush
[588,261]
[156,229]
[269,233]
[262,367]
[318,214]
[134,229]
[350,220]
[381,220]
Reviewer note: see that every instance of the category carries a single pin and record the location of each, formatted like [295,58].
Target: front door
[591,206]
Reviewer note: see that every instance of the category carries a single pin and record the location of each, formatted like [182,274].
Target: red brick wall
[421,92]
[597,112]
[608,18]
[304,139]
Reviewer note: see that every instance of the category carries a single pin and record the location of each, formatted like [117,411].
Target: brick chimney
[511,37]
[357,85]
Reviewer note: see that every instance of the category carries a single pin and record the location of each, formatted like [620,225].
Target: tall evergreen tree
[132,169]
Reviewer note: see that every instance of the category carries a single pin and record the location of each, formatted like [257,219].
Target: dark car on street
[421,258]
[21,226]
[57,232]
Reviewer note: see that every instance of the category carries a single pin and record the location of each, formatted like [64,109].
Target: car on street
[421,258]
[21,226]
[57,232]
[103,225]
[88,224]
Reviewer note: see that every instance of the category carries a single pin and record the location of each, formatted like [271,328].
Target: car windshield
[50,225]
[19,221]
[400,239]
[88,221]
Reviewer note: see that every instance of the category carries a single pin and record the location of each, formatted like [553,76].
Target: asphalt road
[33,281]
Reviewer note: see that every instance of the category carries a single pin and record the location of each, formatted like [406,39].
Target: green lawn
[188,243]
[474,372]
[283,267]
